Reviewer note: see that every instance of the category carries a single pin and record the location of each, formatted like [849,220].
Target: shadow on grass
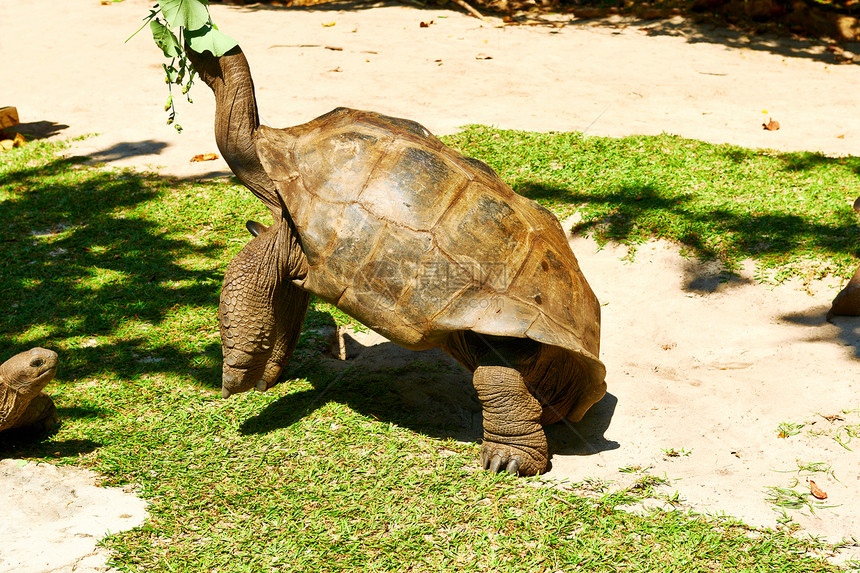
[427,392]
[638,212]
[15,443]
[82,261]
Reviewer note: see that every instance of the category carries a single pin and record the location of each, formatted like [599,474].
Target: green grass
[788,212]
[333,471]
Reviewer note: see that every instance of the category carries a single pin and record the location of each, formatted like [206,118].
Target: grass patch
[788,212]
[120,273]
[842,427]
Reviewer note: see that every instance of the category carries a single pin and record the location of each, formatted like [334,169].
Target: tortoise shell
[418,242]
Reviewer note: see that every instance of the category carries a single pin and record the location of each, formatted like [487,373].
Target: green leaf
[171,72]
[190,14]
[164,39]
[209,39]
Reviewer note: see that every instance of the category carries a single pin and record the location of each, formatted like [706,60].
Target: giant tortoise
[376,216]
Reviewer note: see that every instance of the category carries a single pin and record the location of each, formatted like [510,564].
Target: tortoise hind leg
[514,440]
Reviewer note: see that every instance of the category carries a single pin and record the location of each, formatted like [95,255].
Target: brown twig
[468,8]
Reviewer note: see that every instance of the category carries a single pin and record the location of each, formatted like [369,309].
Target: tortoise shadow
[845,329]
[427,391]
[585,437]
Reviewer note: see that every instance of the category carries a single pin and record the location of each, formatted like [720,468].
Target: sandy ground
[701,374]
[52,517]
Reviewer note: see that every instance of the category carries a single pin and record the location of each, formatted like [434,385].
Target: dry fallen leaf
[816,491]
[16,141]
[328,24]
[425,24]
[204,157]
[483,56]
[771,125]
[782,435]
[669,346]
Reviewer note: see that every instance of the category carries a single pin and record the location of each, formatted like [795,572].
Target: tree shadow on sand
[737,30]
[39,129]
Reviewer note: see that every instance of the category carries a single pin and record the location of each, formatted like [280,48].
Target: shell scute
[410,186]
[486,234]
[331,164]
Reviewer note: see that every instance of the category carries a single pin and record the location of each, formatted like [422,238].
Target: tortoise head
[260,312]
[30,371]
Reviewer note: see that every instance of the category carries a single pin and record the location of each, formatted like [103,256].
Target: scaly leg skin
[514,440]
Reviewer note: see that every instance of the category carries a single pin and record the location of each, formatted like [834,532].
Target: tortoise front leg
[514,440]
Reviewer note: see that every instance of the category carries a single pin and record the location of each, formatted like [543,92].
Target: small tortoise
[23,405]
[423,245]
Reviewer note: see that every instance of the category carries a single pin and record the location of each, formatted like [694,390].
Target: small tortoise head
[29,372]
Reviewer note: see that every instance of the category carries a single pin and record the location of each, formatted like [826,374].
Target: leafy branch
[193,28]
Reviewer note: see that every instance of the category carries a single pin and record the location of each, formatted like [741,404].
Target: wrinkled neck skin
[261,311]
[236,119]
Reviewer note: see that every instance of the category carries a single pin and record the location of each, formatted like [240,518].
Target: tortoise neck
[236,118]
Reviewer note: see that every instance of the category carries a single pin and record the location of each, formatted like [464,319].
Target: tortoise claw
[500,460]
[515,460]
[495,464]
